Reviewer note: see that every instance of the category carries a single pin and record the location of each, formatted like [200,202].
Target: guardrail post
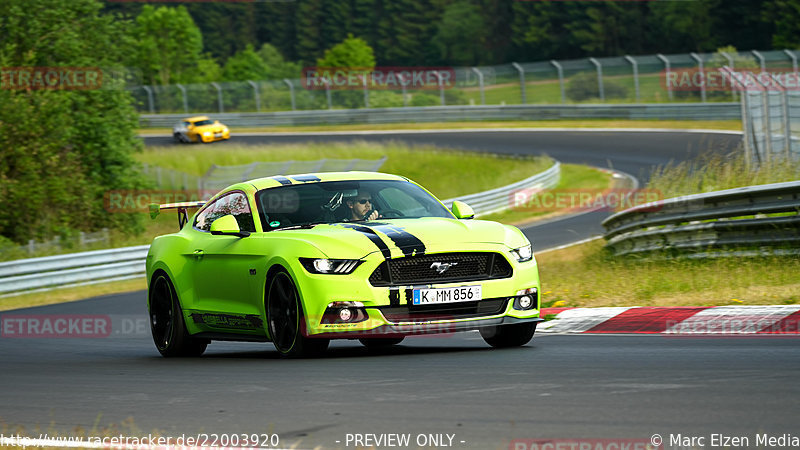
[521,71]
[668,69]
[732,65]
[560,80]
[150,102]
[635,67]
[185,101]
[600,86]
[480,83]
[793,57]
[749,137]
[366,91]
[787,125]
[767,121]
[699,60]
[291,92]
[328,93]
[762,61]
[219,95]
[256,94]
[441,86]
[403,87]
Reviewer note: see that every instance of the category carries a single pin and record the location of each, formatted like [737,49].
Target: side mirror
[462,210]
[227,226]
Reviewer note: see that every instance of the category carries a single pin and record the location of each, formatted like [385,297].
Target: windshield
[201,123]
[345,201]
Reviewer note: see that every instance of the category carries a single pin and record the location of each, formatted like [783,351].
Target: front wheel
[285,320]
[166,322]
[505,336]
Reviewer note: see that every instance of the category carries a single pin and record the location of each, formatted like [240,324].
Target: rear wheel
[505,336]
[381,342]
[166,322]
[285,320]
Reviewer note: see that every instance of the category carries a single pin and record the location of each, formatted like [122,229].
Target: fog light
[526,299]
[345,314]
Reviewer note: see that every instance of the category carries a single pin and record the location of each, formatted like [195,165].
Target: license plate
[447,295]
[217,134]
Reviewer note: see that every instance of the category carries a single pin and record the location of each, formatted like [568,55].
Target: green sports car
[302,259]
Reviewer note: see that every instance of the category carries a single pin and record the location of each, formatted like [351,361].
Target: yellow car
[200,129]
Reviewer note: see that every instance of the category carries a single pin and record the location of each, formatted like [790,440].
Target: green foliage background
[60,151]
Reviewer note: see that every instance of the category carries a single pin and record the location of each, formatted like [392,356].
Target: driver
[360,206]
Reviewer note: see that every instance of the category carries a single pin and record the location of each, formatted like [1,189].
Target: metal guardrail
[38,274]
[496,200]
[704,225]
[74,268]
[665,111]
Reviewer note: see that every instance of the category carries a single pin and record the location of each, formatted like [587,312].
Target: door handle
[198,254]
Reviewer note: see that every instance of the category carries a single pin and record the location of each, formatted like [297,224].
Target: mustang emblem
[441,268]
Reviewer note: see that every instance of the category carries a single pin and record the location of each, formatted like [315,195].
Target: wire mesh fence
[770,114]
[625,79]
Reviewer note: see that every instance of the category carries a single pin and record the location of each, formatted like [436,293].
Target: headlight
[206,133]
[523,254]
[330,266]
[225,129]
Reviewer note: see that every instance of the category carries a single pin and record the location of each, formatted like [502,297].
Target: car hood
[405,237]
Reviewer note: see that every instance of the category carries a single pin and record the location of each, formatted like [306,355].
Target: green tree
[277,68]
[461,34]
[169,44]
[785,14]
[352,52]
[62,150]
[245,65]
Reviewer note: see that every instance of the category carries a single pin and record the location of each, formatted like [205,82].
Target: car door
[226,269]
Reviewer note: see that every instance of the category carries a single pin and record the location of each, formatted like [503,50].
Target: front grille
[426,313]
[418,269]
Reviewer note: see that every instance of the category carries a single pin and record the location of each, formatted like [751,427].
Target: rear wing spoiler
[182,208]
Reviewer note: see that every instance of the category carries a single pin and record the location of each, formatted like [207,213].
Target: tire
[376,343]
[167,324]
[177,137]
[285,320]
[505,336]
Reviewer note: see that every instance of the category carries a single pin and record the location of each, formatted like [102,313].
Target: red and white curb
[690,320]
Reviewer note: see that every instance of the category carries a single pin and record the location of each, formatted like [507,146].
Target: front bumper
[389,310]
[417,328]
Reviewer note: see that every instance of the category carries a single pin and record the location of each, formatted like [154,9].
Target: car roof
[196,118]
[285,180]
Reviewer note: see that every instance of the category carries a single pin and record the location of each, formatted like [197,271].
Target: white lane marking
[579,320]
[732,319]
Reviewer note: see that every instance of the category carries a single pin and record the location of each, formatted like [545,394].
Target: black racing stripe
[372,237]
[282,180]
[407,242]
[306,178]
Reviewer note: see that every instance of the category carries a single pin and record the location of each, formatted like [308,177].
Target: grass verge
[729,125]
[713,172]
[587,276]
[446,173]
[573,177]
[72,294]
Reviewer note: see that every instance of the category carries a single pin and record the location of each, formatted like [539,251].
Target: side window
[234,203]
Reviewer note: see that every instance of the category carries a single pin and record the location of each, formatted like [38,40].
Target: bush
[583,86]
[420,99]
